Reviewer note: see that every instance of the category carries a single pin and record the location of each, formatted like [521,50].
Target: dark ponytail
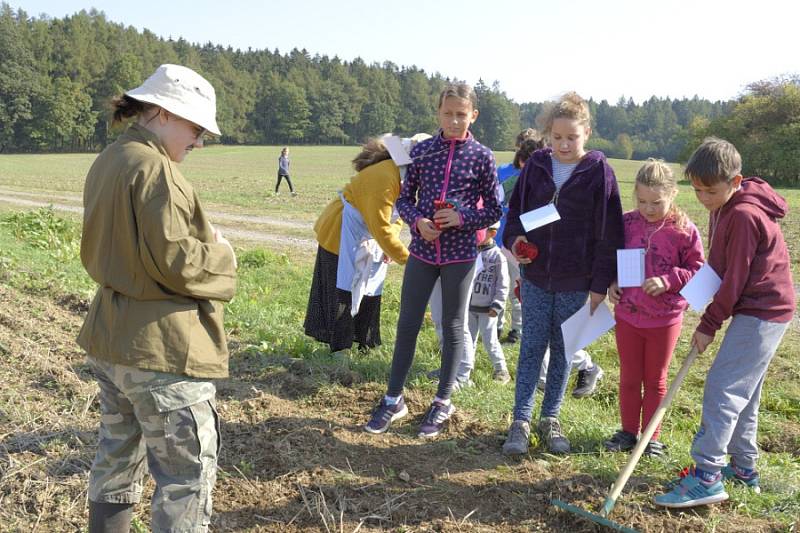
[124,107]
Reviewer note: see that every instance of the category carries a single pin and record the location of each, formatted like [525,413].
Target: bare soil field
[294,457]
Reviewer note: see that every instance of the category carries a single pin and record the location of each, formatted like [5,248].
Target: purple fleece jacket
[579,251]
[462,170]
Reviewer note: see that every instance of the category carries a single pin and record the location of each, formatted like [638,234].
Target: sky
[536,50]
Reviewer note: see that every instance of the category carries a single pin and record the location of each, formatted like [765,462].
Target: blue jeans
[733,393]
[543,312]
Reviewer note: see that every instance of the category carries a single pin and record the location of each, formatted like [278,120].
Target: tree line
[58,75]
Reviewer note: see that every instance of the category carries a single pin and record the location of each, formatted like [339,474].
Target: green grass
[239,179]
[269,308]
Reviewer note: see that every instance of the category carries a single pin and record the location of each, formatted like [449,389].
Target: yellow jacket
[147,243]
[373,191]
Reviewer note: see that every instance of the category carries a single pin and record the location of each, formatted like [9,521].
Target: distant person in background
[283,171]
[154,332]
[355,232]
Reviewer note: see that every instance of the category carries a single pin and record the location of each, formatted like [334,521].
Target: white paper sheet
[395,146]
[630,267]
[701,288]
[580,330]
[539,217]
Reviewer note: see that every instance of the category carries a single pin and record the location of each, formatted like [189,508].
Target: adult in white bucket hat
[154,334]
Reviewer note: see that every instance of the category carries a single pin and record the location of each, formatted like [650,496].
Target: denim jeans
[543,312]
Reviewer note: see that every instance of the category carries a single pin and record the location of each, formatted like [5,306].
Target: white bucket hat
[181,91]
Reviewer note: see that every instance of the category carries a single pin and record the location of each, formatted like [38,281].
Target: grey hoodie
[490,288]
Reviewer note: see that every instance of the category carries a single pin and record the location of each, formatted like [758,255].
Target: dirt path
[231,224]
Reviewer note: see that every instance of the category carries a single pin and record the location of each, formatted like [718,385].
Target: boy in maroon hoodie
[748,252]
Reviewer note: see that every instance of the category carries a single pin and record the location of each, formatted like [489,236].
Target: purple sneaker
[434,420]
[384,414]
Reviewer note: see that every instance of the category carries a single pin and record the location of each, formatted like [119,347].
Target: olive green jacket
[147,243]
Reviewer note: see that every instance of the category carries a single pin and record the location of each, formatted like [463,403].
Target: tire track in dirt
[34,200]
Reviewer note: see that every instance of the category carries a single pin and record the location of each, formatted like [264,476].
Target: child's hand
[614,293]
[701,341]
[427,229]
[654,286]
[519,252]
[492,313]
[595,299]
[446,218]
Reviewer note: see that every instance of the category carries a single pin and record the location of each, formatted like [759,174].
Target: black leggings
[288,180]
[418,280]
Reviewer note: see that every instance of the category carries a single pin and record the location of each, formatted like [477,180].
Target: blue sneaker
[384,414]
[691,492]
[749,479]
[434,420]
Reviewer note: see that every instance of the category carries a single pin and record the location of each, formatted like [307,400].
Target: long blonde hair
[655,173]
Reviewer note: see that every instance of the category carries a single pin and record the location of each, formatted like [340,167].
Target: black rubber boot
[110,517]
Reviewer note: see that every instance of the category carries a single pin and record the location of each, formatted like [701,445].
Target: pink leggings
[644,356]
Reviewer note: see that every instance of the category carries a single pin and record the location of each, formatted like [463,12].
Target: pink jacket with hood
[674,254]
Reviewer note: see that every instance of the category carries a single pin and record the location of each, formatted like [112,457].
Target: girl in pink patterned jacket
[439,198]
[649,317]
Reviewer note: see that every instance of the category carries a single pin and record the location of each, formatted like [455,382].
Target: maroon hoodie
[749,254]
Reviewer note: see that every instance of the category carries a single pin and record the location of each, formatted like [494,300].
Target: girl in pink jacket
[649,317]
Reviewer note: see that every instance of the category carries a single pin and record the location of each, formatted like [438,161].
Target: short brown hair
[570,106]
[526,149]
[459,90]
[524,135]
[373,151]
[715,160]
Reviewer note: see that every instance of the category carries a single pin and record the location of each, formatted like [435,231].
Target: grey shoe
[550,431]
[587,381]
[519,434]
[541,384]
[501,375]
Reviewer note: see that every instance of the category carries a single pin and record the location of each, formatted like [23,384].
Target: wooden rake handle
[638,450]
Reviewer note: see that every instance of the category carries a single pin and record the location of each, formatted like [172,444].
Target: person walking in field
[154,331]
[649,318]
[283,171]
[439,198]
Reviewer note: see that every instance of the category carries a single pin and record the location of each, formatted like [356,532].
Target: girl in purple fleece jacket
[439,201]
[649,317]
[576,259]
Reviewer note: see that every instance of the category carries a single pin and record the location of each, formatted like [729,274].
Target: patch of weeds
[44,230]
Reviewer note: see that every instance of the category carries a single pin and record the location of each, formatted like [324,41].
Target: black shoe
[587,381]
[621,441]
[512,337]
[655,449]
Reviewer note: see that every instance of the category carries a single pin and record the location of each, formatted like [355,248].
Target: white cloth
[361,269]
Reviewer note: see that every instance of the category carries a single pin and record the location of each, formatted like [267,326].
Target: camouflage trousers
[171,421]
